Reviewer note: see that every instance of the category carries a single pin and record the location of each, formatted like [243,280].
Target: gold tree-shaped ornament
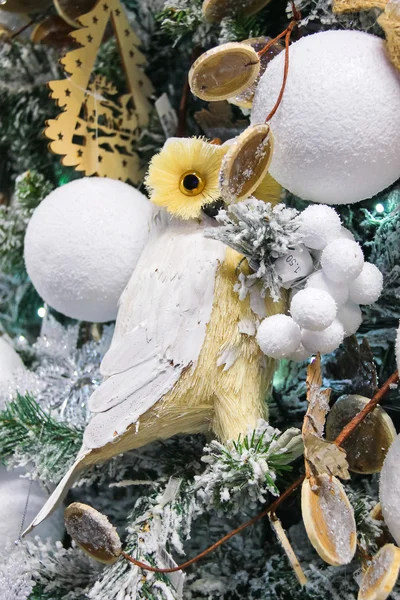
[96,130]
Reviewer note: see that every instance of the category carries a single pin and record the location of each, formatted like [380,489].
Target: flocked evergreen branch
[30,189]
[31,438]
[262,233]
[242,473]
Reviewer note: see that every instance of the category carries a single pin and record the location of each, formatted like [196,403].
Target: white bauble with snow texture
[10,361]
[83,243]
[337,130]
[14,492]
[389,489]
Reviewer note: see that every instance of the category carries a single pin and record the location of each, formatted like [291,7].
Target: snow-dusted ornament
[313,309]
[246,163]
[337,130]
[224,71]
[342,260]
[389,489]
[82,244]
[329,519]
[369,443]
[93,532]
[367,287]
[278,336]
[381,575]
[216,10]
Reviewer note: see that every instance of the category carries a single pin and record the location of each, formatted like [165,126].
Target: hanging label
[167,115]
[295,265]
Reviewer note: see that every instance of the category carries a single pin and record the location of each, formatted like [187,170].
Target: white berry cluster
[327,309]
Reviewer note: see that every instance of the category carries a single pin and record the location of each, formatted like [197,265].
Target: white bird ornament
[183,358]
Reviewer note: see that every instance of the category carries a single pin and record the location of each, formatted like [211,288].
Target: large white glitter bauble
[337,129]
[14,492]
[389,489]
[350,317]
[367,287]
[278,336]
[323,341]
[313,309]
[342,260]
[319,225]
[338,291]
[82,244]
[9,361]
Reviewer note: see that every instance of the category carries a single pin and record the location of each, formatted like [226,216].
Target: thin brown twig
[271,509]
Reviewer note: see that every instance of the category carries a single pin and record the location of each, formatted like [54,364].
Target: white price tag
[295,265]
[167,115]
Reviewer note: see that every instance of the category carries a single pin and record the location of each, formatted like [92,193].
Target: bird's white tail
[59,493]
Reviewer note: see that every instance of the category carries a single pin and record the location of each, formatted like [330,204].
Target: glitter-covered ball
[342,260]
[278,336]
[319,225]
[313,309]
[367,287]
[323,341]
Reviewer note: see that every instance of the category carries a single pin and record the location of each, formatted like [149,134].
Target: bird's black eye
[191,183]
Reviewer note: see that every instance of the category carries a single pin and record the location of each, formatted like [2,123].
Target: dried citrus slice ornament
[246,163]
[216,10]
[245,98]
[369,443]
[224,71]
[381,575]
[93,532]
[329,519]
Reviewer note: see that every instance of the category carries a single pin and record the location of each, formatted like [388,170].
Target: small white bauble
[278,336]
[342,260]
[367,287]
[350,317]
[300,354]
[14,491]
[389,489]
[337,129]
[323,341]
[319,225]
[82,244]
[313,309]
[338,291]
[9,361]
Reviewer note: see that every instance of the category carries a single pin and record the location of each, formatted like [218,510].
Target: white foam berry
[342,260]
[323,341]
[278,336]
[313,309]
[319,225]
[367,287]
[338,291]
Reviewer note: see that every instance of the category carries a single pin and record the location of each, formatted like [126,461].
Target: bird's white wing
[160,328]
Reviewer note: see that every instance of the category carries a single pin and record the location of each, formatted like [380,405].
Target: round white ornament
[82,244]
[313,309]
[337,129]
[342,260]
[9,361]
[14,491]
[319,225]
[389,489]
[323,341]
[338,291]
[278,336]
[367,287]
[350,317]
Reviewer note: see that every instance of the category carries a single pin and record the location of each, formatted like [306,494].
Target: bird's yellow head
[183,177]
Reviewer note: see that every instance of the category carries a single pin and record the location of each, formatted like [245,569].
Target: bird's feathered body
[183,357]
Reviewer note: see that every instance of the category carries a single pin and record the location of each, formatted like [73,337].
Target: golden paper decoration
[96,130]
